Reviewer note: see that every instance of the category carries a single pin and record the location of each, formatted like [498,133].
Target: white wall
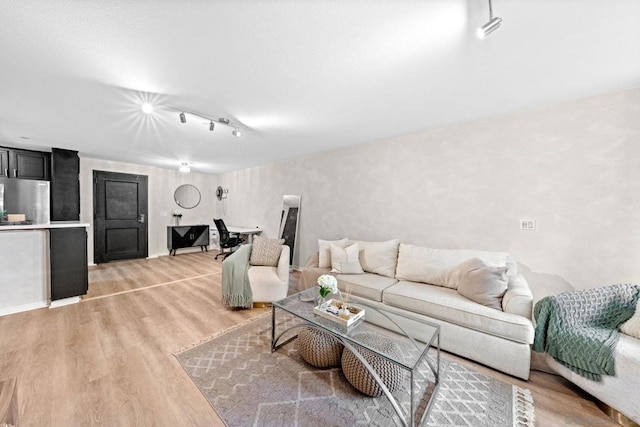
[162,184]
[574,168]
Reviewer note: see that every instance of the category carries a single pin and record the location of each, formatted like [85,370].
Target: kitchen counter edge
[53,224]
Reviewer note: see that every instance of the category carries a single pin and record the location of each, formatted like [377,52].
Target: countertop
[53,224]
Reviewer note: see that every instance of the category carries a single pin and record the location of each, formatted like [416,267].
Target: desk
[245,231]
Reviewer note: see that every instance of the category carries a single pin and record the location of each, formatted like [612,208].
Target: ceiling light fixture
[184,167]
[212,122]
[491,26]
[147,108]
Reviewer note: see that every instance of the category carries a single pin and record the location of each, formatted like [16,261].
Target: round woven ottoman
[391,374]
[319,348]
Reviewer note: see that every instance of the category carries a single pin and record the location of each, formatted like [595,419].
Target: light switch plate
[527,224]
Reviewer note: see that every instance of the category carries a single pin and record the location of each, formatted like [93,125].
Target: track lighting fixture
[147,108]
[212,122]
[491,26]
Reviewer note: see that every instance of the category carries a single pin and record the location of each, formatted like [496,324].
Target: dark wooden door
[120,216]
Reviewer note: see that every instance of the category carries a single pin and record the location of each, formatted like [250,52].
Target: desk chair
[227,240]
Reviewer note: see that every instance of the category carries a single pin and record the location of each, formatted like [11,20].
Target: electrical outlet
[527,224]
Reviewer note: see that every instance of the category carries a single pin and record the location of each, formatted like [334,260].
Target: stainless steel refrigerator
[25,196]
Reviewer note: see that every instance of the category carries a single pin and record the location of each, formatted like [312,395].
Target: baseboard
[64,301]
[23,307]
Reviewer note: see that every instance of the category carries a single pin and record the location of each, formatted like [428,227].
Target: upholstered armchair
[269,284]
[256,274]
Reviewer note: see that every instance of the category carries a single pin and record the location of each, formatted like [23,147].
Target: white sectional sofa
[421,281]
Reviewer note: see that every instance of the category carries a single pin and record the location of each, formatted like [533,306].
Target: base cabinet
[187,236]
[68,257]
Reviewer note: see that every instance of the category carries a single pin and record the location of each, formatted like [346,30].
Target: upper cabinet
[65,186]
[25,164]
[4,163]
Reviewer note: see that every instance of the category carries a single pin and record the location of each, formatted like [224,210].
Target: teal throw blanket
[236,291]
[579,329]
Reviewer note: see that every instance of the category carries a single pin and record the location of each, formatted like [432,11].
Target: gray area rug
[246,384]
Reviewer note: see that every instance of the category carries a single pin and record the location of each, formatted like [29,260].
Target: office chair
[227,240]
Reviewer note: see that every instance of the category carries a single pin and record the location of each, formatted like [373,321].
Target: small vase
[321,301]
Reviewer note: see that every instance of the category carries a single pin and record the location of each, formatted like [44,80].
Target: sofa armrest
[283,263]
[518,298]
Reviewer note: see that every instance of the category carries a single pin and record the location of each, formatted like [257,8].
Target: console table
[187,236]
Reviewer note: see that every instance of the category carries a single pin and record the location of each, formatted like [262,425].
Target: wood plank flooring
[107,361]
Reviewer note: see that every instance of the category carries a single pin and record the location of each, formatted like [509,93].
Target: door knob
[141,219]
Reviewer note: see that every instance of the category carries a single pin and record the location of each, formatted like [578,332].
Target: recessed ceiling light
[25,137]
[147,108]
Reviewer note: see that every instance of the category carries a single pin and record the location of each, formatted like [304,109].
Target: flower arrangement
[328,284]
[3,214]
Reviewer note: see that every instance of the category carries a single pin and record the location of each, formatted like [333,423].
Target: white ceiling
[297,76]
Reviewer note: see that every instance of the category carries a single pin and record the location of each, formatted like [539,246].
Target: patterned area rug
[248,385]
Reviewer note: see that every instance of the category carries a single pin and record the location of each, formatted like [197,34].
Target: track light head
[147,108]
[489,27]
[211,125]
[183,118]
[236,133]
[184,167]
[223,121]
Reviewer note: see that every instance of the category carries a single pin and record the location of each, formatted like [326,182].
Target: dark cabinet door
[27,164]
[65,185]
[69,272]
[4,163]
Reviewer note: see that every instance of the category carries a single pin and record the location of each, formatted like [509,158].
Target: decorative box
[329,310]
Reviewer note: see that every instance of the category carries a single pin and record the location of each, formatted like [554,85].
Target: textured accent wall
[162,184]
[575,168]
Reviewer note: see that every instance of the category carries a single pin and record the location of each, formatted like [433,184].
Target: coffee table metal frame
[301,306]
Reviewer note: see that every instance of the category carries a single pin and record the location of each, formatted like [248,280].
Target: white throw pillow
[440,266]
[632,326]
[484,284]
[379,257]
[344,256]
[324,252]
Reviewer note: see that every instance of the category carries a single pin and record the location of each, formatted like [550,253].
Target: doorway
[120,215]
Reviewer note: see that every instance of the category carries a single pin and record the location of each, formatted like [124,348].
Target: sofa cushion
[439,266]
[345,260]
[365,285]
[379,257]
[448,305]
[265,251]
[483,283]
[324,251]
[632,326]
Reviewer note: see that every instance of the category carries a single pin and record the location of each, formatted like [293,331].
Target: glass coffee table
[420,373]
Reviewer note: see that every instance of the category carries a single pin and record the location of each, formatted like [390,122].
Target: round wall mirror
[187,196]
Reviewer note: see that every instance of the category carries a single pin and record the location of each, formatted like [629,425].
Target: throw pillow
[379,257]
[266,251]
[344,256]
[632,326]
[482,283]
[324,252]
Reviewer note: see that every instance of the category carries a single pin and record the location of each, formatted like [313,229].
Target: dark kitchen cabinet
[65,185]
[187,236]
[69,271]
[25,164]
[4,163]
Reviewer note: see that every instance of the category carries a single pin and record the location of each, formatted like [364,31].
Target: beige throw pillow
[632,326]
[324,251]
[346,258]
[379,257]
[266,251]
[482,283]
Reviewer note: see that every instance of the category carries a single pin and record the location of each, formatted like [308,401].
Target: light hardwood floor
[108,359]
